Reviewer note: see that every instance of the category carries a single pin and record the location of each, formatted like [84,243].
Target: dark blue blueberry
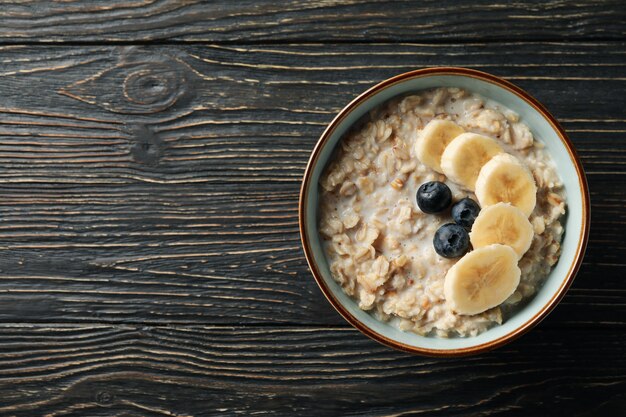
[465,212]
[433,197]
[451,241]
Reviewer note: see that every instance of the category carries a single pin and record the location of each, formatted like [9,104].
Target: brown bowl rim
[582,240]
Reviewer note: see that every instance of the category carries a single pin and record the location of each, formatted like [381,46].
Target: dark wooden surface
[294,20]
[150,162]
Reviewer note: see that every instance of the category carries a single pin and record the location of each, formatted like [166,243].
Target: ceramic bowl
[542,124]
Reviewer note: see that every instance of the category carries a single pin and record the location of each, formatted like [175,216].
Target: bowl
[542,125]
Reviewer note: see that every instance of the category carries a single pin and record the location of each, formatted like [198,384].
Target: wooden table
[150,160]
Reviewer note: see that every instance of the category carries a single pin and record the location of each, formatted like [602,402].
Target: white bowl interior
[542,130]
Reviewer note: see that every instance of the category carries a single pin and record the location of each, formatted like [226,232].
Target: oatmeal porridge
[408,261]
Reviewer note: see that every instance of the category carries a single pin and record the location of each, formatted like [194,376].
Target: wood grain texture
[223,371]
[160,184]
[317,21]
[150,262]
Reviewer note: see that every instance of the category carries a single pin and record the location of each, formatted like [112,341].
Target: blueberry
[465,212]
[433,197]
[451,241]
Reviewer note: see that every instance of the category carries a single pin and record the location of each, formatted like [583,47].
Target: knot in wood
[143,85]
[155,85]
[148,147]
[104,398]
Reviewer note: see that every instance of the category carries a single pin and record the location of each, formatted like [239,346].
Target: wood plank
[159,184]
[317,21]
[125,370]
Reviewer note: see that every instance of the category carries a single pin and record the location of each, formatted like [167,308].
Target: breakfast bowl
[396,279]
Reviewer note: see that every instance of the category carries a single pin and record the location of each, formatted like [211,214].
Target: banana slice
[482,279]
[433,140]
[505,179]
[504,224]
[463,158]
